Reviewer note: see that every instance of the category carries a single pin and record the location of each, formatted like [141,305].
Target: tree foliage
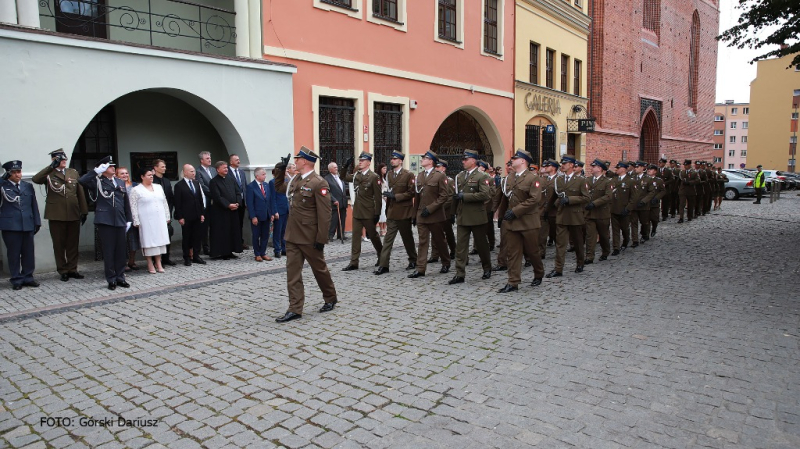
[780,19]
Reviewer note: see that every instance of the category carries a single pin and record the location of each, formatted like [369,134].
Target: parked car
[738,185]
[792,180]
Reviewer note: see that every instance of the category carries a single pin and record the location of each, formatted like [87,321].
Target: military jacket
[522,195]
[19,210]
[659,190]
[642,192]
[621,194]
[600,193]
[66,200]
[402,185]
[702,185]
[676,182]
[577,190]
[722,178]
[368,200]
[432,192]
[497,197]
[689,179]
[548,205]
[450,205]
[471,210]
[310,205]
[110,197]
[665,174]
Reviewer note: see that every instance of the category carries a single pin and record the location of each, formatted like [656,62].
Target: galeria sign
[542,103]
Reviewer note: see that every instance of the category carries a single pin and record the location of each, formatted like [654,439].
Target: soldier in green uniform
[660,191]
[598,217]
[665,174]
[484,167]
[702,189]
[548,213]
[472,190]
[66,210]
[432,192]
[450,210]
[502,253]
[722,178]
[521,196]
[571,193]
[366,207]
[399,212]
[712,186]
[640,214]
[676,184]
[621,205]
[686,192]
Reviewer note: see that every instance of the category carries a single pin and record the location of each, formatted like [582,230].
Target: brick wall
[632,64]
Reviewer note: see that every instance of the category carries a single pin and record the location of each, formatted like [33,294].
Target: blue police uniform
[19,221]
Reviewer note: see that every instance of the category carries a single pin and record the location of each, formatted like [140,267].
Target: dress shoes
[527,264]
[378,263]
[277,255]
[187,262]
[411,266]
[635,244]
[571,249]
[168,262]
[283,253]
[500,268]
[17,287]
[123,284]
[554,274]
[65,277]
[536,282]
[452,255]
[456,280]
[645,239]
[491,248]
[653,233]
[288,317]
[198,260]
[508,288]
[266,258]
[259,259]
[381,270]
[76,275]
[350,267]
[416,274]
[433,260]
[30,284]
[327,307]
[112,285]
[473,252]
[602,258]
[445,269]
[487,274]
[550,242]
[588,262]
[579,269]
[614,253]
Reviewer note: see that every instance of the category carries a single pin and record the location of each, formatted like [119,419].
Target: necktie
[236,175]
[191,186]
[263,193]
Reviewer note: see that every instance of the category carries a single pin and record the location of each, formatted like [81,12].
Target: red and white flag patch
[323,191]
[537,184]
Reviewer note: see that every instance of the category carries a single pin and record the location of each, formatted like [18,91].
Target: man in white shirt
[338,202]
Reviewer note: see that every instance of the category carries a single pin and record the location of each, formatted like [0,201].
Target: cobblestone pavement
[688,341]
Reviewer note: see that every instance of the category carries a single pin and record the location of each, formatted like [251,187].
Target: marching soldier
[621,205]
[431,189]
[598,217]
[571,193]
[449,235]
[19,222]
[366,207]
[665,174]
[112,216]
[712,186]
[659,190]
[722,178]
[472,190]
[549,208]
[702,189]
[687,193]
[640,214]
[399,212]
[307,234]
[65,209]
[483,167]
[521,195]
[676,171]
[502,253]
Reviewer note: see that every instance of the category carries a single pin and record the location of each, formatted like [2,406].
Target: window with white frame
[731,153]
[745,125]
[733,125]
[732,139]
[351,8]
[744,153]
[730,165]
[745,111]
[717,146]
[734,111]
[717,132]
[717,160]
[450,22]
[493,28]
[744,139]
[719,118]
[391,13]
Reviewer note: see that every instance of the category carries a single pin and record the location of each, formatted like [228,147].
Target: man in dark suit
[339,193]
[160,168]
[226,200]
[190,211]
[19,221]
[262,213]
[112,216]
[284,173]
[205,171]
[242,179]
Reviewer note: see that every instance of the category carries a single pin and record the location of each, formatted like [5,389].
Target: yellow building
[552,39]
[774,99]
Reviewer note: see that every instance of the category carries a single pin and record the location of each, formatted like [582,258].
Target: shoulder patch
[446,180]
[487,182]
[537,184]
[323,191]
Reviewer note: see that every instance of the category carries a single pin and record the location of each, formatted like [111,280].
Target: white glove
[127,226]
[103,167]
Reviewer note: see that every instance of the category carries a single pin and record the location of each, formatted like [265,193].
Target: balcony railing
[176,24]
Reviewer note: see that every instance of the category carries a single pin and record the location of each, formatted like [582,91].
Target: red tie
[263,193]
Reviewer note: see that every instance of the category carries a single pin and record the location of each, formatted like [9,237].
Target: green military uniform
[666,176]
[621,205]
[447,227]
[676,184]
[366,210]
[598,217]
[472,190]
[640,214]
[687,193]
[712,187]
[660,191]
[702,191]
[399,213]
[548,213]
[571,193]
[64,209]
[431,195]
[497,199]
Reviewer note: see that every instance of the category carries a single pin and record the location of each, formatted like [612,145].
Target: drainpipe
[242,23]
[28,13]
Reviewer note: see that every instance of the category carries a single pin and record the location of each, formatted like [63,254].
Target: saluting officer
[366,207]
[112,216]
[598,217]
[307,234]
[65,209]
[522,193]
[399,213]
[472,191]
[621,204]
[687,193]
[571,193]
[660,190]
[665,174]
[19,221]
[432,192]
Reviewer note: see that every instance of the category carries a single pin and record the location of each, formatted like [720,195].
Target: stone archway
[649,138]
[466,128]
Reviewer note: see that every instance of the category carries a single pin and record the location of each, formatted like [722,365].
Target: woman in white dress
[382,177]
[151,215]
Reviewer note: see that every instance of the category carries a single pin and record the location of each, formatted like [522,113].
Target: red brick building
[653,79]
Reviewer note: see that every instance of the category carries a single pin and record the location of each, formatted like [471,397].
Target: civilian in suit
[19,221]
[284,173]
[338,195]
[262,213]
[190,211]
[226,200]
[241,178]
[112,216]
[205,172]
[160,168]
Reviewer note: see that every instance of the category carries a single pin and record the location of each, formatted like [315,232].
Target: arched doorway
[460,131]
[540,139]
[649,138]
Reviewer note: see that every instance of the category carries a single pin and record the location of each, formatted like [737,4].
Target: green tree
[779,19]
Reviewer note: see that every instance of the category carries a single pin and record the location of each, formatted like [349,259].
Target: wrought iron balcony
[176,24]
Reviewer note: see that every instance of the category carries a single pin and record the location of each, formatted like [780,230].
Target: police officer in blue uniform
[19,221]
[112,216]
